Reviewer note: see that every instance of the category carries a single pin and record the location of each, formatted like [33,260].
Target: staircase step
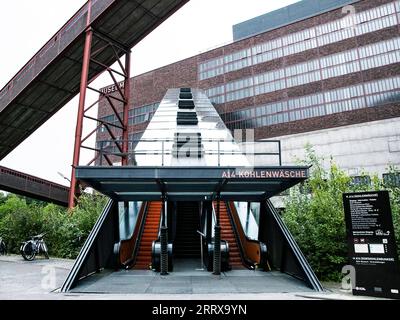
[187,239]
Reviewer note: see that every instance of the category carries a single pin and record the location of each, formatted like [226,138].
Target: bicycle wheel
[28,251]
[45,251]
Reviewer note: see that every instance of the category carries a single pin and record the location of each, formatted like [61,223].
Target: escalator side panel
[97,251]
[284,253]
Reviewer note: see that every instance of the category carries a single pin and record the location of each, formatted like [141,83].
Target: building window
[391,180]
[360,181]
[365,22]
[372,56]
[370,94]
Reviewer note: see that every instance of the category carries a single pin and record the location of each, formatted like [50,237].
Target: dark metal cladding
[52,77]
[186,104]
[187,118]
[185,95]
[188,144]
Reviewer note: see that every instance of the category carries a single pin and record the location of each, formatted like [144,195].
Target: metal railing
[150,152]
[25,184]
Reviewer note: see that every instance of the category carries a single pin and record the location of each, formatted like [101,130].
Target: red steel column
[127,94]
[79,122]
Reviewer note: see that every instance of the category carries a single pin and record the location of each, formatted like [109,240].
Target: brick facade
[150,87]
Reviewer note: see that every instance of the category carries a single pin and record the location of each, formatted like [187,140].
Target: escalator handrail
[161,222]
[250,264]
[214,215]
[136,233]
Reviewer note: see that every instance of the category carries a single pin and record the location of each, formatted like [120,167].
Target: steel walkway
[33,187]
[52,77]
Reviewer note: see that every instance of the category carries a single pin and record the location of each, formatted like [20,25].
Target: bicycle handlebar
[39,236]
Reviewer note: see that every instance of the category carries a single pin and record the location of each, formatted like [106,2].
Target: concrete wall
[369,147]
[296,12]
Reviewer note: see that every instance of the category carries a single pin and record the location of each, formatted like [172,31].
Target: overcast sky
[26,25]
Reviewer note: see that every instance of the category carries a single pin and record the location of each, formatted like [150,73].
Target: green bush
[65,231]
[316,218]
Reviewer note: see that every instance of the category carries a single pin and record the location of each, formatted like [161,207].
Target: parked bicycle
[3,247]
[36,245]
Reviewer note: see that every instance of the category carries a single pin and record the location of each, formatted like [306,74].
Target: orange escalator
[228,234]
[150,234]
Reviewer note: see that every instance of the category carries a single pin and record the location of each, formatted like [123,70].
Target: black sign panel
[372,245]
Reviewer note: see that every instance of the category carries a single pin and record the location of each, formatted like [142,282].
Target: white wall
[369,146]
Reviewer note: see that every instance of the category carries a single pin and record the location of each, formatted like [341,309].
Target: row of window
[136,116]
[150,108]
[110,147]
[320,104]
[352,25]
[391,179]
[372,56]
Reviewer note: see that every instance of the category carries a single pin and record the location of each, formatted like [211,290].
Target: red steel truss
[122,97]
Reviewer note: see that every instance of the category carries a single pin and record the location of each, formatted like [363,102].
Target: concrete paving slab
[42,278]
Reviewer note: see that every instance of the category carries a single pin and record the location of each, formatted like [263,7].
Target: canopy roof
[191,184]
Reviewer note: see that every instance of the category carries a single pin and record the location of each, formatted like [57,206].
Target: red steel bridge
[96,37]
[33,187]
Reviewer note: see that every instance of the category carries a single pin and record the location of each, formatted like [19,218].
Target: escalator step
[150,233]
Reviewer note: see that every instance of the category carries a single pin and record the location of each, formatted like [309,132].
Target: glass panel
[249,214]
[127,220]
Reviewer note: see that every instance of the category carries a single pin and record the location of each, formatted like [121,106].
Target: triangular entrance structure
[187,173]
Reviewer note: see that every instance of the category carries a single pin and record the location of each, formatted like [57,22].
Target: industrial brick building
[320,72]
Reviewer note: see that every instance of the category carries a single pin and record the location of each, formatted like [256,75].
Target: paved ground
[21,279]
[144,282]
[42,278]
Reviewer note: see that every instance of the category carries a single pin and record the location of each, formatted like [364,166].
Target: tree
[316,217]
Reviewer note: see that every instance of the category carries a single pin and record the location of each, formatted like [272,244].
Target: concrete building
[320,72]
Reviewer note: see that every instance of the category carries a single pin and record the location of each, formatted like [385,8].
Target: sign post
[372,245]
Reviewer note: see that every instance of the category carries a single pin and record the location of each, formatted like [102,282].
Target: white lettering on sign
[113,88]
[264,174]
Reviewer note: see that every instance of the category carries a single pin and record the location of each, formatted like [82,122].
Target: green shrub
[65,231]
[316,219]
